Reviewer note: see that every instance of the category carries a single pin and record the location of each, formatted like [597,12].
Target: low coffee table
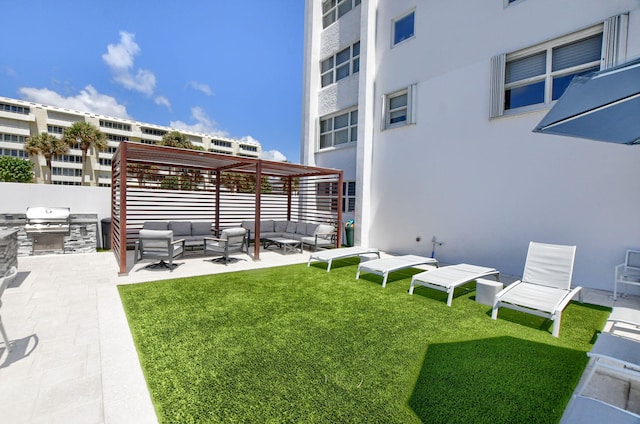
[287,245]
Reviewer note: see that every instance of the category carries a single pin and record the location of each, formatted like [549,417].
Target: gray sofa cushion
[249,226]
[267,226]
[301,228]
[201,229]
[232,232]
[280,226]
[155,225]
[180,228]
[291,227]
[311,229]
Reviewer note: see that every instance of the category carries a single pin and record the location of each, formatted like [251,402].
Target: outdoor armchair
[545,289]
[158,244]
[231,240]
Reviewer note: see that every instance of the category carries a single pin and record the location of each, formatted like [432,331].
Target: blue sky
[232,68]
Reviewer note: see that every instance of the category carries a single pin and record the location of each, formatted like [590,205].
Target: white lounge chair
[448,278]
[4,282]
[616,353]
[628,272]
[386,265]
[545,289]
[330,255]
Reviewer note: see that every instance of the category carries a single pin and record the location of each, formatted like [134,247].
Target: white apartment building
[20,119]
[428,107]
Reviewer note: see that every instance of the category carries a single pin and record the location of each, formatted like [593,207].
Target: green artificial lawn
[298,344]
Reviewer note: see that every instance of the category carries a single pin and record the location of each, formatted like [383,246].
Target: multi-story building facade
[20,119]
[428,108]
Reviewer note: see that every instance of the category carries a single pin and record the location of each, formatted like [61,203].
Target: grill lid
[42,214]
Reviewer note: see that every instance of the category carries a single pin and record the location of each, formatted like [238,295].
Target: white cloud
[163,101]
[274,155]
[203,124]
[120,59]
[201,87]
[87,100]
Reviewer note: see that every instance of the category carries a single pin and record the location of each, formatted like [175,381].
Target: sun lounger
[618,353]
[384,266]
[587,410]
[449,277]
[330,255]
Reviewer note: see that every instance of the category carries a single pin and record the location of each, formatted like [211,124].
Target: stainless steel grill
[43,220]
[47,227]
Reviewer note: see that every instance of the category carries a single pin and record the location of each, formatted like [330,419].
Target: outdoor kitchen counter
[82,237]
[8,249]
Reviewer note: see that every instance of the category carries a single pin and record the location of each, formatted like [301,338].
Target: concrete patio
[73,358]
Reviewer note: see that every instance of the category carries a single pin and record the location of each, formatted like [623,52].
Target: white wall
[487,187]
[17,197]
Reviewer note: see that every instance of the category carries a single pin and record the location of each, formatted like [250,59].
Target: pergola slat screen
[168,184]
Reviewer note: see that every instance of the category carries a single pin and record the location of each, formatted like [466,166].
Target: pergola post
[289,196]
[340,200]
[122,219]
[217,214]
[256,239]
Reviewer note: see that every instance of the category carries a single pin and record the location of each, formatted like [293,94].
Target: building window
[55,129]
[332,10]
[67,172]
[221,143]
[117,138]
[153,131]
[404,28]
[340,65]
[14,153]
[151,142]
[398,108]
[12,138]
[543,76]
[115,125]
[535,77]
[105,162]
[248,148]
[74,183]
[68,158]
[339,129]
[23,110]
[348,196]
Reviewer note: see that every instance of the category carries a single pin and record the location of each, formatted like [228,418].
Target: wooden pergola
[164,183]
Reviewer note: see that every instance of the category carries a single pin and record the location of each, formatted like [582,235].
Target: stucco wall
[487,187]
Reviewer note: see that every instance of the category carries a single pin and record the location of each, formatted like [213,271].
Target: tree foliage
[176,139]
[48,146]
[84,135]
[244,183]
[15,170]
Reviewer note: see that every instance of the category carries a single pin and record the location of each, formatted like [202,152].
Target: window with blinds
[543,77]
[539,75]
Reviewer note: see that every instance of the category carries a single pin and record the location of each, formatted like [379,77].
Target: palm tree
[176,139]
[48,146]
[85,135]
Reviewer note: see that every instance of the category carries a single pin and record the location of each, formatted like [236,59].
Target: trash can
[105,225]
[348,231]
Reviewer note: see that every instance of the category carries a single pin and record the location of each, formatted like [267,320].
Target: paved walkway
[73,358]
